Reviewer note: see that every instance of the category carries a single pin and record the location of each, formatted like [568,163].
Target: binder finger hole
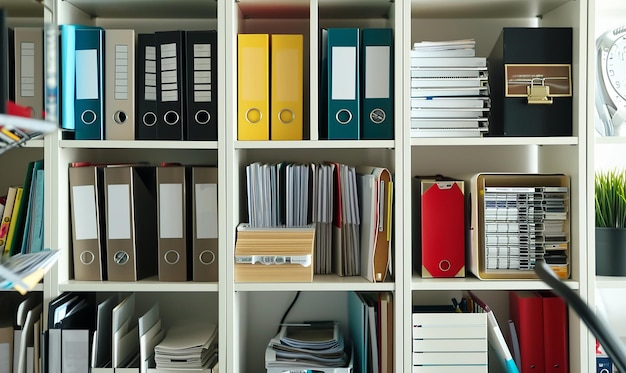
[171,117]
[377,116]
[253,115]
[286,116]
[202,117]
[343,116]
[445,265]
[120,117]
[87,257]
[121,257]
[149,119]
[88,117]
[206,257]
[171,257]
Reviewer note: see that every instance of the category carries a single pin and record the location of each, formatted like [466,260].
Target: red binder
[555,333]
[441,230]
[526,311]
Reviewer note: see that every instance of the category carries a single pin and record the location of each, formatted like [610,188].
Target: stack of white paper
[24,271]
[302,346]
[322,214]
[278,194]
[187,345]
[449,90]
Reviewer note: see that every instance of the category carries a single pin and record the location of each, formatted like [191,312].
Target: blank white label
[87,74]
[118,211]
[171,210]
[206,210]
[343,83]
[377,72]
[84,208]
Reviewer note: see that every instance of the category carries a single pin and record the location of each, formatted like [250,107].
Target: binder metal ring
[339,114]
[149,119]
[292,116]
[87,257]
[85,119]
[207,253]
[120,117]
[121,257]
[377,116]
[445,265]
[171,257]
[201,115]
[171,117]
[256,111]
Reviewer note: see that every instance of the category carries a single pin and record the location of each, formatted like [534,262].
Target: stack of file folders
[449,90]
[278,194]
[315,346]
[188,345]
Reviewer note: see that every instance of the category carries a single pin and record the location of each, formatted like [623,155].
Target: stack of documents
[24,271]
[274,254]
[322,216]
[316,345]
[449,90]
[187,345]
[520,218]
[278,194]
[375,194]
[346,223]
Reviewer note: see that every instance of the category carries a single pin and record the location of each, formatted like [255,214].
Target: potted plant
[610,216]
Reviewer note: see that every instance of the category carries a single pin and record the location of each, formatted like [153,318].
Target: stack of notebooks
[274,254]
[449,90]
[188,345]
[318,346]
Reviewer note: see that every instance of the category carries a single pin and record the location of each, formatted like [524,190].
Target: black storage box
[530,79]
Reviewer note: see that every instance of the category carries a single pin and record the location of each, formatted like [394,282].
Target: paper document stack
[23,271]
[17,127]
[188,345]
[449,90]
[519,219]
[318,346]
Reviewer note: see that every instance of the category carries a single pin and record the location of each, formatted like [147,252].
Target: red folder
[526,311]
[555,338]
[442,216]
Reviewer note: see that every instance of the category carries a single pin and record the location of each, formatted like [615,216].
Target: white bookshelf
[248,313]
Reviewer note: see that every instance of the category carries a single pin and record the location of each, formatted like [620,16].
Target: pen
[456,305]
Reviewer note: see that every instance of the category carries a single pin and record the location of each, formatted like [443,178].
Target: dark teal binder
[377,84]
[89,83]
[343,84]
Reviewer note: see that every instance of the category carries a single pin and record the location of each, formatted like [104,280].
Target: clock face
[616,66]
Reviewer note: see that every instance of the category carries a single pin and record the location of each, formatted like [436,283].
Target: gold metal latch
[538,92]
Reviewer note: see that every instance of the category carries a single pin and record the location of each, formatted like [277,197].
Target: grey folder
[87,212]
[119,83]
[205,224]
[131,230]
[172,216]
[29,79]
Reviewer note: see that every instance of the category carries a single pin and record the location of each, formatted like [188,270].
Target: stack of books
[313,346]
[188,345]
[449,90]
